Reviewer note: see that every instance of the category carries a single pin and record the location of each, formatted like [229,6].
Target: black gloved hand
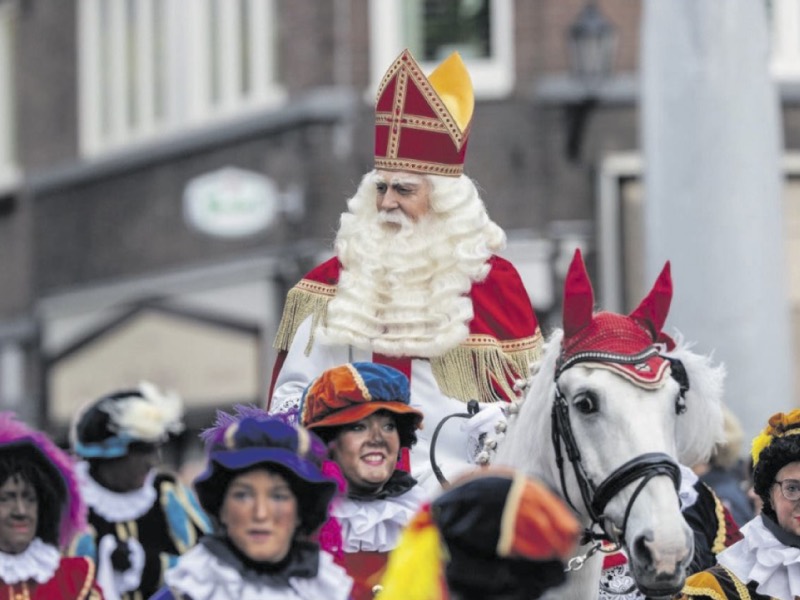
[121,557]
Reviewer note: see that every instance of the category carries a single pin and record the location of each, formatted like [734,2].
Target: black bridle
[642,468]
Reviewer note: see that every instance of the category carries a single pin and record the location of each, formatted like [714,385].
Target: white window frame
[104,98]
[613,168]
[9,169]
[491,78]
[785,40]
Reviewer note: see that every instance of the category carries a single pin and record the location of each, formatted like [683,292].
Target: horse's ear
[652,311]
[578,297]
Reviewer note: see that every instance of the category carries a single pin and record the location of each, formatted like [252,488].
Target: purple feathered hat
[23,444]
[251,438]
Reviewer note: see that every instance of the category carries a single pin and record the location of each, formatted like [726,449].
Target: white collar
[376,525]
[687,492]
[203,576]
[39,561]
[116,507]
[761,557]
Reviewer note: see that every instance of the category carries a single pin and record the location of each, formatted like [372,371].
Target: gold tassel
[300,303]
[477,368]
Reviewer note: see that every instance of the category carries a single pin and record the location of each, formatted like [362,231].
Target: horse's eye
[587,403]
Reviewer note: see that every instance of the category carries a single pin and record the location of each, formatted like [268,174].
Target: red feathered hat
[623,344]
[422,123]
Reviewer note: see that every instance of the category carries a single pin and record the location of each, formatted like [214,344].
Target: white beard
[402,291]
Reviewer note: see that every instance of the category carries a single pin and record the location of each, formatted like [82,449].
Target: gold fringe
[304,299]
[473,370]
[482,364]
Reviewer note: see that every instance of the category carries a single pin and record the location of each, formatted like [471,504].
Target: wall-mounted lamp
[592,46]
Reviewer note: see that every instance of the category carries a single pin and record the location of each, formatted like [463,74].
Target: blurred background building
[168,168]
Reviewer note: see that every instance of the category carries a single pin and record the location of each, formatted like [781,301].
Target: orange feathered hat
[422,123]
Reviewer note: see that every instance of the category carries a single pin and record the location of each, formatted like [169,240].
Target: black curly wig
[406,429]
[781,452]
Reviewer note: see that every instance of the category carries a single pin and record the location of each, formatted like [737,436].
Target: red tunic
[503,326]
[73,580]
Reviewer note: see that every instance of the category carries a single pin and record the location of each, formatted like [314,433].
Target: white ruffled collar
[688,492]
[761,557]
[203,576]
[39,561]
[116,507]
[375,526]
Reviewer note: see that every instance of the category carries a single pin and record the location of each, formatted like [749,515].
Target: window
[8,165]
[481,30]
[153,67]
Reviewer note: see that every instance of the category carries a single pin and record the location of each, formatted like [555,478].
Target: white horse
[620,402]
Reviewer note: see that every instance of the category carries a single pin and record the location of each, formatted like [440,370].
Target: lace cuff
[289,409]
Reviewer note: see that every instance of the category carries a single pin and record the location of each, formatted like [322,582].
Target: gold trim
[404,164]
[741,588]
[89,581]
[509,517]
[362,386]
[122,531]
[719,539]
[315,287]
[307,298]
[481,340]
[195,521]
[303,441]
[410,68]
[690,590]
[386,119]
[480,368]
[395,127]
[229,436]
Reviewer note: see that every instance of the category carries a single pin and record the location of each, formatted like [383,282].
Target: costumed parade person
[40,512]
[416,282]
[141,519]
[713,527]
[266,493]
[361,411]
[494,535]
[766,562]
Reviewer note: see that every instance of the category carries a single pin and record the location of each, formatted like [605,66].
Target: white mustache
[396,218]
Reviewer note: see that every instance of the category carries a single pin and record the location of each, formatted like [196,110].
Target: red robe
[73,580]
[503,332]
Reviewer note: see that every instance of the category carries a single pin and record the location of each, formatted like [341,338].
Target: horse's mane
[533,405]
[701,427]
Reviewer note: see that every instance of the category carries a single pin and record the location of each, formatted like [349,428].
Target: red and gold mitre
[422,123]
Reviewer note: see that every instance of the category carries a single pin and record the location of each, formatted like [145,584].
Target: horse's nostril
[641,552]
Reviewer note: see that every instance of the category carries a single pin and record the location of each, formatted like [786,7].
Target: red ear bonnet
[623,344]
[652,311]
[578,297]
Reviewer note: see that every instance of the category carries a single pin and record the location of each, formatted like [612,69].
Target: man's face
[129,472]
[401,193]
[19,514]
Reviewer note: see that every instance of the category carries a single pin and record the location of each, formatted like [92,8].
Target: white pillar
[713,187]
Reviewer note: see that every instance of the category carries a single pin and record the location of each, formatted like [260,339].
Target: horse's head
[618,413]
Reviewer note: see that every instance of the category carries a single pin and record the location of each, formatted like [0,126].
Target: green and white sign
[230,203]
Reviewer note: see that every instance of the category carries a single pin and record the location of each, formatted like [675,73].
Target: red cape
[503,324]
